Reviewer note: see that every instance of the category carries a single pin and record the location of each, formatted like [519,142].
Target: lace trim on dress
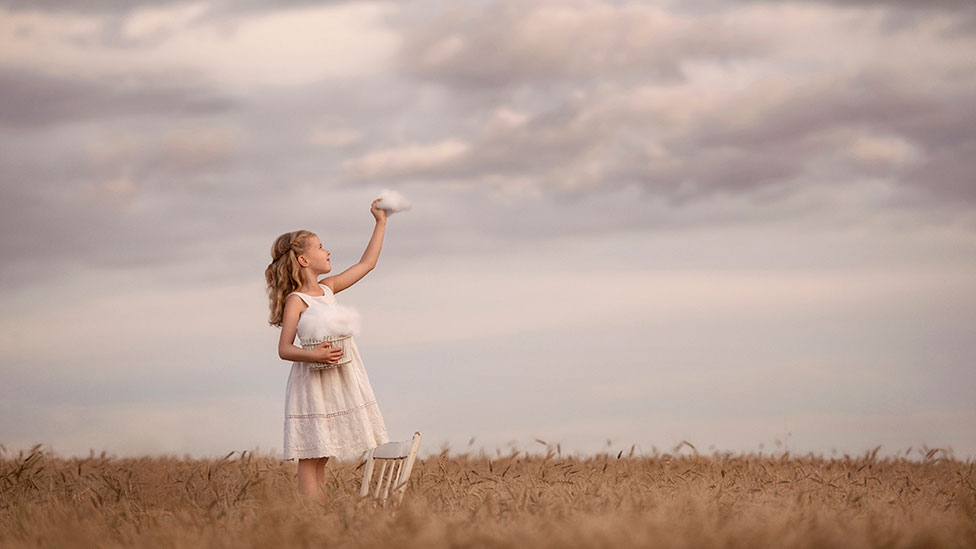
[344,437]
[333,414]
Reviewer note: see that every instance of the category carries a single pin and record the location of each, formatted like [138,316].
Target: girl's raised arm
[367,262]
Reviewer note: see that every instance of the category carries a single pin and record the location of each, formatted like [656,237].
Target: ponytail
[284,274]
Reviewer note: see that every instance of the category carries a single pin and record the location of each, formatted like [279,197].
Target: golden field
[518,499]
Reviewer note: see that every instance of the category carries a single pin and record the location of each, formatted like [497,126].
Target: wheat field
[515,499]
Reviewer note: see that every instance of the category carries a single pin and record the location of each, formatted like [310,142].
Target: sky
[748,225]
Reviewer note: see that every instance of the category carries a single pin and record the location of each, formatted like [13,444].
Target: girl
[330,411]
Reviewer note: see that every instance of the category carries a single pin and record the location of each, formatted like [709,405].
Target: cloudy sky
[743,224]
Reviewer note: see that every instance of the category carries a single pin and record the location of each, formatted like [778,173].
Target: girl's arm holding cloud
[368,261]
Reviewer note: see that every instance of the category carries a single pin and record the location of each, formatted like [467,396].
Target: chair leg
[385,483]
[379,482]
[407,468]
[367,476]
[395,478]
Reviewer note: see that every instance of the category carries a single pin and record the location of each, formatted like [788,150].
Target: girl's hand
[378,213]
[325,353]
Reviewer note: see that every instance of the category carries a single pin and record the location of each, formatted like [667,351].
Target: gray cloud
[93,6]
[152,180]
[547,152]
[32,98]
[95,164]
[939,124]
[543,115]
[509,44]
[608,140]
[907,4]
[900,14]
[113,14]
[126,6]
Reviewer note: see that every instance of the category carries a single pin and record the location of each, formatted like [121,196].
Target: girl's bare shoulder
[294,301]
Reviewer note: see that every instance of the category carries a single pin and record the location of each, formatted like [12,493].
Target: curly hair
[284,275]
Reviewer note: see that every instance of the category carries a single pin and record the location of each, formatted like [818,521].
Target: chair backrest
[396,461]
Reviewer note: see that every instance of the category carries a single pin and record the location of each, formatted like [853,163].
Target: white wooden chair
[397,461]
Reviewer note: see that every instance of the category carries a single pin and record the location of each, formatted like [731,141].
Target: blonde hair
[284,274]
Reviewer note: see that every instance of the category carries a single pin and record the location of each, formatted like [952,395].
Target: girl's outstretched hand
[378,213]
[325,353]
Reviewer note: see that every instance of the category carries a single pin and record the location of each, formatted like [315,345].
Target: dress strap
[303,297]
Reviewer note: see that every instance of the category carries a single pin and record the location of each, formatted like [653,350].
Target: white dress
[329,412]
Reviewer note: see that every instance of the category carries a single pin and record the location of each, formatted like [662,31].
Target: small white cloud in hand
[392,202]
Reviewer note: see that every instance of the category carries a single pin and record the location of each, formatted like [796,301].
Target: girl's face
[317,257]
